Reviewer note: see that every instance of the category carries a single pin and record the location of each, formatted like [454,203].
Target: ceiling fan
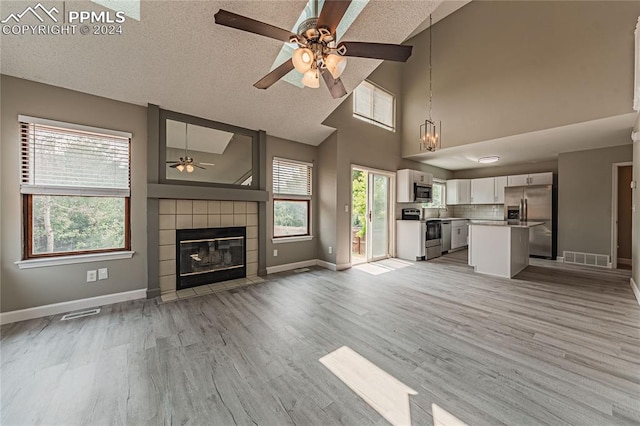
[186,162]
[317,51]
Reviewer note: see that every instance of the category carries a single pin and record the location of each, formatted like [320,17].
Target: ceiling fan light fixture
[488,159]
[180,168]
[335,64]
[302,59]
[311,79]
[190,168]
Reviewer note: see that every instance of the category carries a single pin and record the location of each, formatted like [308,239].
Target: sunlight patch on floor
[382,266]
[383,392]
[442,417]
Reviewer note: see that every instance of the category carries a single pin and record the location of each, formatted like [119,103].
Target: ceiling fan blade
[388,52]
[207,164]
[335,86]
[240,22]
[173,166]
[275,75]
[199,166]
[332,13]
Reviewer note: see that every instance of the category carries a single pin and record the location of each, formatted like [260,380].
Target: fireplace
[210,255]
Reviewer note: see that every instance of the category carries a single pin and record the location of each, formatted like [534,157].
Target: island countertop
[505,223]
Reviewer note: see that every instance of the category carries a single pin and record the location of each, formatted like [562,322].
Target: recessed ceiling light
[489,159]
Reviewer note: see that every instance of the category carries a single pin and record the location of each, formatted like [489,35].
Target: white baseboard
[560,259]
[72,305]
[291,266]
[327,265]
[636,290]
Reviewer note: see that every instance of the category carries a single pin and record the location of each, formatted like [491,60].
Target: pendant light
[430,130]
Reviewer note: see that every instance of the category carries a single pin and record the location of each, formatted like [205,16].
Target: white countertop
[504,223]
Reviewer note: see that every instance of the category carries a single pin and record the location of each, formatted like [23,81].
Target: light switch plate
[91,276]
[103,273]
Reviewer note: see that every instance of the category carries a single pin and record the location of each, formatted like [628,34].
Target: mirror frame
[190,119]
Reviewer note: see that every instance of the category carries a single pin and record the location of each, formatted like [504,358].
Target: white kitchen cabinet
[541,178]
[405,179]
[459,234]
[483,191]
[531,179]
[499,185]
[518,180]
[422,177]
[458,191]
[410,239]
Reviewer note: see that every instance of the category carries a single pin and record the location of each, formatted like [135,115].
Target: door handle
[370,216]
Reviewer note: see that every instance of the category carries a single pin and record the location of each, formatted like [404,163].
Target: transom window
[292,190]
[374,105]
[76,188]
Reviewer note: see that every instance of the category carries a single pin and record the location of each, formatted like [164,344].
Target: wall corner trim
[72,305]
[635,136]
[636,290]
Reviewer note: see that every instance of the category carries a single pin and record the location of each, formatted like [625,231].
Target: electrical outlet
[275,252]
[92,276]
[103,273]
[346,208]
[330,249]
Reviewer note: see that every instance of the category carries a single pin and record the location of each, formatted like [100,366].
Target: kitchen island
[499,248]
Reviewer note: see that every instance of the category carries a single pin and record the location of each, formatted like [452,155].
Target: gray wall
[41,286]
[327,198]
[291,251]
[541,167]
[502,68]
[360,143]
[584,198]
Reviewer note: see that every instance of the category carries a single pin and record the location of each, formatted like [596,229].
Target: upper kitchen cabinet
[458,191]
[531,179]
[500,184]
[483,191]
[405,181]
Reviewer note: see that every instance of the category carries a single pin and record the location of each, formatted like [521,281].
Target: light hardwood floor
[557,345]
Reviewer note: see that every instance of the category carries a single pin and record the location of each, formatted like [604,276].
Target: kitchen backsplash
[490,212]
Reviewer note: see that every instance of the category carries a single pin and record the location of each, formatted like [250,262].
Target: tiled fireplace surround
[190,214]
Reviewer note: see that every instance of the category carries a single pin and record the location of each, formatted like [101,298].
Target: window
[75,187]
[374,105]
[438,196]
[292,181]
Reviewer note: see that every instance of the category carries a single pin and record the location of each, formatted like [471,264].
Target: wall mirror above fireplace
[206,152]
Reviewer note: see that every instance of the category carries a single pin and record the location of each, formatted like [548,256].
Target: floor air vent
[589,259]
[81,314]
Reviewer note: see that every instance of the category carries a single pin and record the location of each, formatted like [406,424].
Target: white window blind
[292,177]
[68,161]
[374,105]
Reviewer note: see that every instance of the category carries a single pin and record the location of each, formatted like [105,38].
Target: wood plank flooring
[558,345]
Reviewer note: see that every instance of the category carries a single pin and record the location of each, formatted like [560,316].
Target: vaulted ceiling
[175,56]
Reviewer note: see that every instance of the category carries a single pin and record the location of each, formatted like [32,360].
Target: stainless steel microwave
[422,193]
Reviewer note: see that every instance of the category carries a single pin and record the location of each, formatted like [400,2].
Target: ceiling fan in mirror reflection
[186,163]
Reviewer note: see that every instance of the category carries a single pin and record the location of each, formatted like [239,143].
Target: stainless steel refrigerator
[537,201]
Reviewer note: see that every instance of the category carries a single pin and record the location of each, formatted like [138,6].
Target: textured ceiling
[177,58]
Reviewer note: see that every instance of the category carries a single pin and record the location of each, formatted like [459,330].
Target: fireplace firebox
[210,255]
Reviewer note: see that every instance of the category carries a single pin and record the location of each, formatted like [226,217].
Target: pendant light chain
[430,79]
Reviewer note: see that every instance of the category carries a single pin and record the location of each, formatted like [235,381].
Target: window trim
[444,197]
[59,258]
[291,236]
[371,120]
[289,197]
